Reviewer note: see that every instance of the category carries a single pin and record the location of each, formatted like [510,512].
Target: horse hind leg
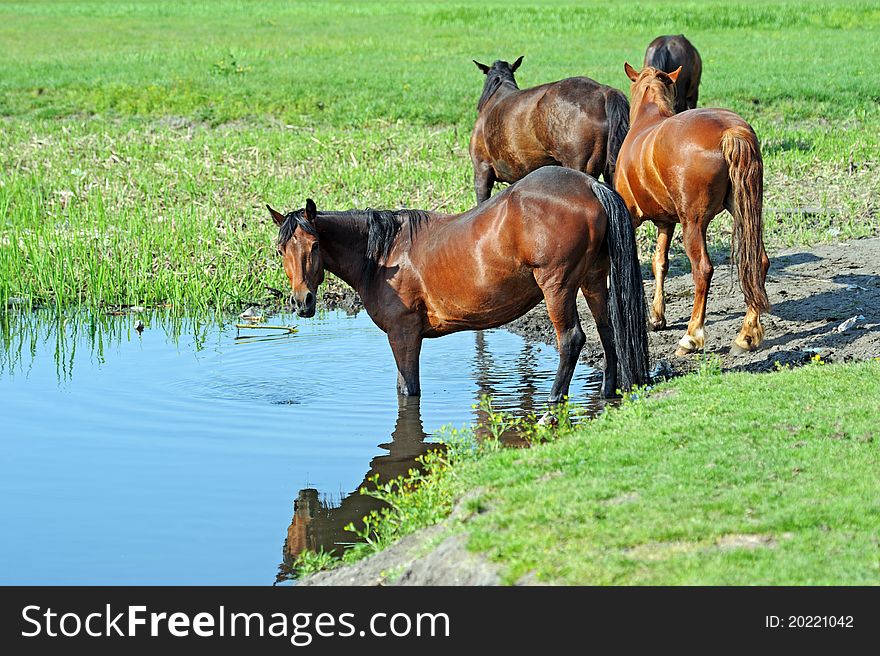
[561,304]
[591,163]
[484,180]
[752,332]
[701,268]
[595,291]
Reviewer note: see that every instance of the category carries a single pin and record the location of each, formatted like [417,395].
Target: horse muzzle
[306,306]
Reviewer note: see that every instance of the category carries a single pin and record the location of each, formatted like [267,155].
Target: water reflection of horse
[424,275]
[318,523]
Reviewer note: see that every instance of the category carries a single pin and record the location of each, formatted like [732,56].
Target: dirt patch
[746,541]
[657,551]
[813,291]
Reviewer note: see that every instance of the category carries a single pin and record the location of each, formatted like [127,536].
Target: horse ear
[277,217]
[516,64]
[482,67]
[311,211]
[674,74]
[631,73]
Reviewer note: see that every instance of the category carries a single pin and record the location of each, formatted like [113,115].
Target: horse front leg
[406,345]
[484,180]
[701,267]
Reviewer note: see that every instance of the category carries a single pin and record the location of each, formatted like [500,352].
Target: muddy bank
[812,292]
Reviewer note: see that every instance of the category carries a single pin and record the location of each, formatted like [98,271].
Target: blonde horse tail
[746,170]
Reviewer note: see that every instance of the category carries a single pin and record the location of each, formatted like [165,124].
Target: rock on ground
[406,563]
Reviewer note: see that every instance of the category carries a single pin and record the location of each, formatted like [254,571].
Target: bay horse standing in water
[668,53]
[576,122]
[685,168]
[423,274]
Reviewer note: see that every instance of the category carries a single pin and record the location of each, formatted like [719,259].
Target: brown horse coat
[423,275]
[576,122]
[668,53]
[685,168]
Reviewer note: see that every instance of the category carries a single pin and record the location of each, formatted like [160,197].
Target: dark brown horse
[685,168]
[575,122]
[423,274]
[667,53]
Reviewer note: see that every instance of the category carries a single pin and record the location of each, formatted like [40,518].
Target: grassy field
[140,140]
[711,479]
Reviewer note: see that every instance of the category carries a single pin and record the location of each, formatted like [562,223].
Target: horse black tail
[617,116]
[659,59]
[626,296]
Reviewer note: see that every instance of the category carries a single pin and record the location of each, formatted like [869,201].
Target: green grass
[712,479]
[140,140]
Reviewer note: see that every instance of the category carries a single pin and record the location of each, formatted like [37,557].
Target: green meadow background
[140,141]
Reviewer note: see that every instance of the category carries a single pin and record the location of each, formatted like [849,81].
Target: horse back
[548,124]
[487,257]
[662,162]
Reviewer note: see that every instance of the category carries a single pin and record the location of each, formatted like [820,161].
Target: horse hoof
[657,324]
[549,419]
[736,349]
[690,343]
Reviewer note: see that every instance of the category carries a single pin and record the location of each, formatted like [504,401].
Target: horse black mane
[294,220]
[500,72]
[383,227]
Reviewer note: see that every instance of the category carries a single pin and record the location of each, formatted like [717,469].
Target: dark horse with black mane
[576,122]
[424,274]
[667,53]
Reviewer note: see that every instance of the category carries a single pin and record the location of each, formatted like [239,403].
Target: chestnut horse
[667,53]
[575,122]
[685,168]
[424,274]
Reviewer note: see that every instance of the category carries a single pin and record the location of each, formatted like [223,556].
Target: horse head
[496,75]
[300,251]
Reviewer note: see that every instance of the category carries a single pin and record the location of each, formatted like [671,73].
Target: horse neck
[506,88]
[343,241]
[648,110]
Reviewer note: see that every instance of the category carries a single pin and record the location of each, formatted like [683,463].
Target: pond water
[183,455]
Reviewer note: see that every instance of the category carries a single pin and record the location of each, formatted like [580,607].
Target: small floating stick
[264,326]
